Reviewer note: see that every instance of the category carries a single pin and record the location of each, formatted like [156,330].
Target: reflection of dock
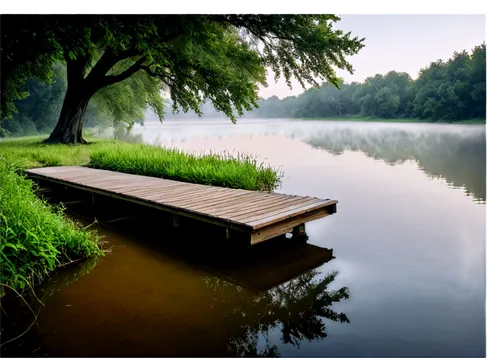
[268,265]
[248,216]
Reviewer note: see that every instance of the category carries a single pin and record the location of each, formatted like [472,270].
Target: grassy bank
[393,120]
[35,238]
[240,171]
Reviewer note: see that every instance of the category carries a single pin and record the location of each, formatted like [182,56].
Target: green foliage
[195,58]
[38,112]
[23,58]
[123,102]
[126,101]
[240,171]
[445,91]
[35,238]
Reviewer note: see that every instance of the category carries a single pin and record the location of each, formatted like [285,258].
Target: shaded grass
[240,171]
[35,238]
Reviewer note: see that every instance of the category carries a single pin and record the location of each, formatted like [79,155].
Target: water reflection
[297,308]
[167,295]
[456,153]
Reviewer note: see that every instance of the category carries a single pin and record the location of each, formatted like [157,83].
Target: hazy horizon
[402,43]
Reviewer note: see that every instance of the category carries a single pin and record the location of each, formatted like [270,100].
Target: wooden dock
[255,216]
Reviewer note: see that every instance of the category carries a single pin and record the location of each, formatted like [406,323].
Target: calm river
[408,238]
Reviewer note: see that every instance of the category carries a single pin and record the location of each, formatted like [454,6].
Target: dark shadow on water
[247,294]
[17,317]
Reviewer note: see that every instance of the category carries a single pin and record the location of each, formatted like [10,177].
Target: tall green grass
[35,238]
[240,171]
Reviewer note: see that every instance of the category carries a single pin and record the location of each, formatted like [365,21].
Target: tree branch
[161,77]
[105,63]
[109,80]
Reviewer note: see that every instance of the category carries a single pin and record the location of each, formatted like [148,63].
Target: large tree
[193,58]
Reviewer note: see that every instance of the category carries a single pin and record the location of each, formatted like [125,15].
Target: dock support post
[238,241]
[299,233]
[175,221]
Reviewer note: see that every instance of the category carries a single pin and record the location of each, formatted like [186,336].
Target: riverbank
[393,120]
[240,171]
[37,238]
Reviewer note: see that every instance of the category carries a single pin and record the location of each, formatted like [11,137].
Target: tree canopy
[445,90]
[448,91]
[193,58]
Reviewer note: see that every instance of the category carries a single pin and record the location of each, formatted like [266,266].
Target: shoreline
[392,120]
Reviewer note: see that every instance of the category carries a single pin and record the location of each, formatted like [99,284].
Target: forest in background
[445,91]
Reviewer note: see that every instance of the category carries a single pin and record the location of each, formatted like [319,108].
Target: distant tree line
[444,91]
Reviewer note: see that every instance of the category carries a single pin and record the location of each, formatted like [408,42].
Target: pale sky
[404,43]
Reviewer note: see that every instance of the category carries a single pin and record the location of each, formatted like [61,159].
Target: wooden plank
[93,180]
[250,206]
[283,210]
[144,189]
[214,196]
[171,192]
[263,204]
[267,208]
[53,170]
[183,212]
[203,193]
[209,191]
[229,206]
[111,184]
[285,226]
[104,180]
[167,195]
[142,193]
[236,209]
[265,220]
[62,169]
[254,196]
[219,198]
[76,177]
[223,201]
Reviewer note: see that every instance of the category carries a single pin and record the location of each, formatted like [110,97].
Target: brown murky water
[407,280]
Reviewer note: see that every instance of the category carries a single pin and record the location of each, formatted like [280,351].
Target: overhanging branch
[109,59]
[109,80]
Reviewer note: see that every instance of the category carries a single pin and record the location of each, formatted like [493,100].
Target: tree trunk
[80,89]
[69,127]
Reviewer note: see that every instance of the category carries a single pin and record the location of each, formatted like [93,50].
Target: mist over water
[408,237]
[454,153]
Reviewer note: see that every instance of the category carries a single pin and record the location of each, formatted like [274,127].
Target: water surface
[409,239]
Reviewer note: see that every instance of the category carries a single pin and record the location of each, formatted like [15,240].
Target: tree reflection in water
[298,308]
